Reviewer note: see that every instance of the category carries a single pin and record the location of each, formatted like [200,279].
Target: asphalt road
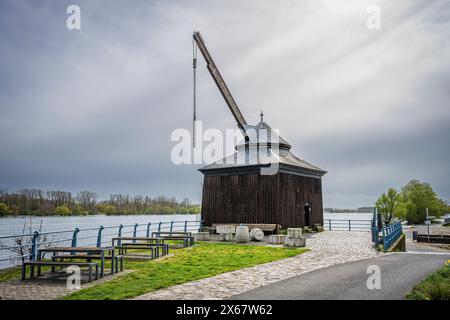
[399,273]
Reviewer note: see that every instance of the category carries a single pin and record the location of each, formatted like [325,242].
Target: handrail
[32,242]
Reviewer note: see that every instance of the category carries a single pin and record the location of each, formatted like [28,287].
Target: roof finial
[262,116]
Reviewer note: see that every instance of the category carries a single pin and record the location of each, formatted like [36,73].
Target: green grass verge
[435,286]
[189,264]
[10,274]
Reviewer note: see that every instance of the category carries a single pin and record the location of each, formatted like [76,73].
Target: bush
[109,209]
[62,210]
[4,209]
[435,287]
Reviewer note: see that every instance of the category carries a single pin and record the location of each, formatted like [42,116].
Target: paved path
[43,289]
[399,273]
[327,248]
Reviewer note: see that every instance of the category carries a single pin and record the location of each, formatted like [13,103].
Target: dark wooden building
[236,191]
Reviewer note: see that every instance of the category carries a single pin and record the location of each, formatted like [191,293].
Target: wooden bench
[118,260]
[269,228]
[53,264]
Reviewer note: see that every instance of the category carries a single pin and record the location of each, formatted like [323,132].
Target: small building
[237,190]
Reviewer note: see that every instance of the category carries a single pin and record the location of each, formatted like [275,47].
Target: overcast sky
[95,108]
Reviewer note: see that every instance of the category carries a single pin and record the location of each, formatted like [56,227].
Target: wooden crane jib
[223,88]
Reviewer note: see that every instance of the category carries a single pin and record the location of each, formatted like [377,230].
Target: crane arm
[214,71]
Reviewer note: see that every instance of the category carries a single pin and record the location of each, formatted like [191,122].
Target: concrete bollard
[294,232]
[256,234]
[277,239]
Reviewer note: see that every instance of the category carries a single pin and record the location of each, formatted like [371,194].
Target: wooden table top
[136,238]
[79,249]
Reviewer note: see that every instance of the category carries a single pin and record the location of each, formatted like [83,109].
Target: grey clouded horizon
[94,108]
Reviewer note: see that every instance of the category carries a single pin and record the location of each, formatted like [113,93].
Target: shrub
[62,210]
[435,287]
[4,209]
[109,209]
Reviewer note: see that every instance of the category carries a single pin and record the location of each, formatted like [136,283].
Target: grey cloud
[95,108]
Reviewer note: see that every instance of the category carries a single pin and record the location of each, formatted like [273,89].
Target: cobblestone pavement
[43,289]
[327,248]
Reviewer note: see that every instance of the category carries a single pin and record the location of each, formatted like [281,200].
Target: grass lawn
[10,274]
[435,286]
[188,264]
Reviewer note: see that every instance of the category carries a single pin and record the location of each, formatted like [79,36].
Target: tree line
[410,203]
[85,202]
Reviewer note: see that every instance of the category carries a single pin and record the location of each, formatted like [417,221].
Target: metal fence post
[148,229]
[329,224]
[135,232]
[99,237]
[200,226]
[349,225]
[171,225]
[159,227]
[34,245]
[185,226]
[119,235]
[74,237]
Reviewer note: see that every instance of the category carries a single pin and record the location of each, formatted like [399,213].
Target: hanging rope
[194,89]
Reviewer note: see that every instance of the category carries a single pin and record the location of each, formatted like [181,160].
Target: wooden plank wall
[254,198]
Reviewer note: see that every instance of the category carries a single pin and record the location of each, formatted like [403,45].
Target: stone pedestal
[294,238]
[226,232]
[202,236]
[294,232]
[226,236]
[225,229]
[277,239]
[295,242]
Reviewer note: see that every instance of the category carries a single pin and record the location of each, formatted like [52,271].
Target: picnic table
[87,250]
[151,243]
[187,237]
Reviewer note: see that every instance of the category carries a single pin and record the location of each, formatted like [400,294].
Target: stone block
[277,239]
[294,232]
[202,236]
[295,242]
[225,229]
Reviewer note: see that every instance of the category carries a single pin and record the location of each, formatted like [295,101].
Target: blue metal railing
[25,246]
[391,233]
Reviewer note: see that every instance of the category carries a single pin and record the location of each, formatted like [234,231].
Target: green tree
[77,210]
[62,210]
[417,197]
[4,209]
[109,210]
[388,204]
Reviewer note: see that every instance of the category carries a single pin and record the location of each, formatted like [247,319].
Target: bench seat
[118,259]
[53,264]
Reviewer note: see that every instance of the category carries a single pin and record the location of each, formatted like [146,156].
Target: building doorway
[307,210]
